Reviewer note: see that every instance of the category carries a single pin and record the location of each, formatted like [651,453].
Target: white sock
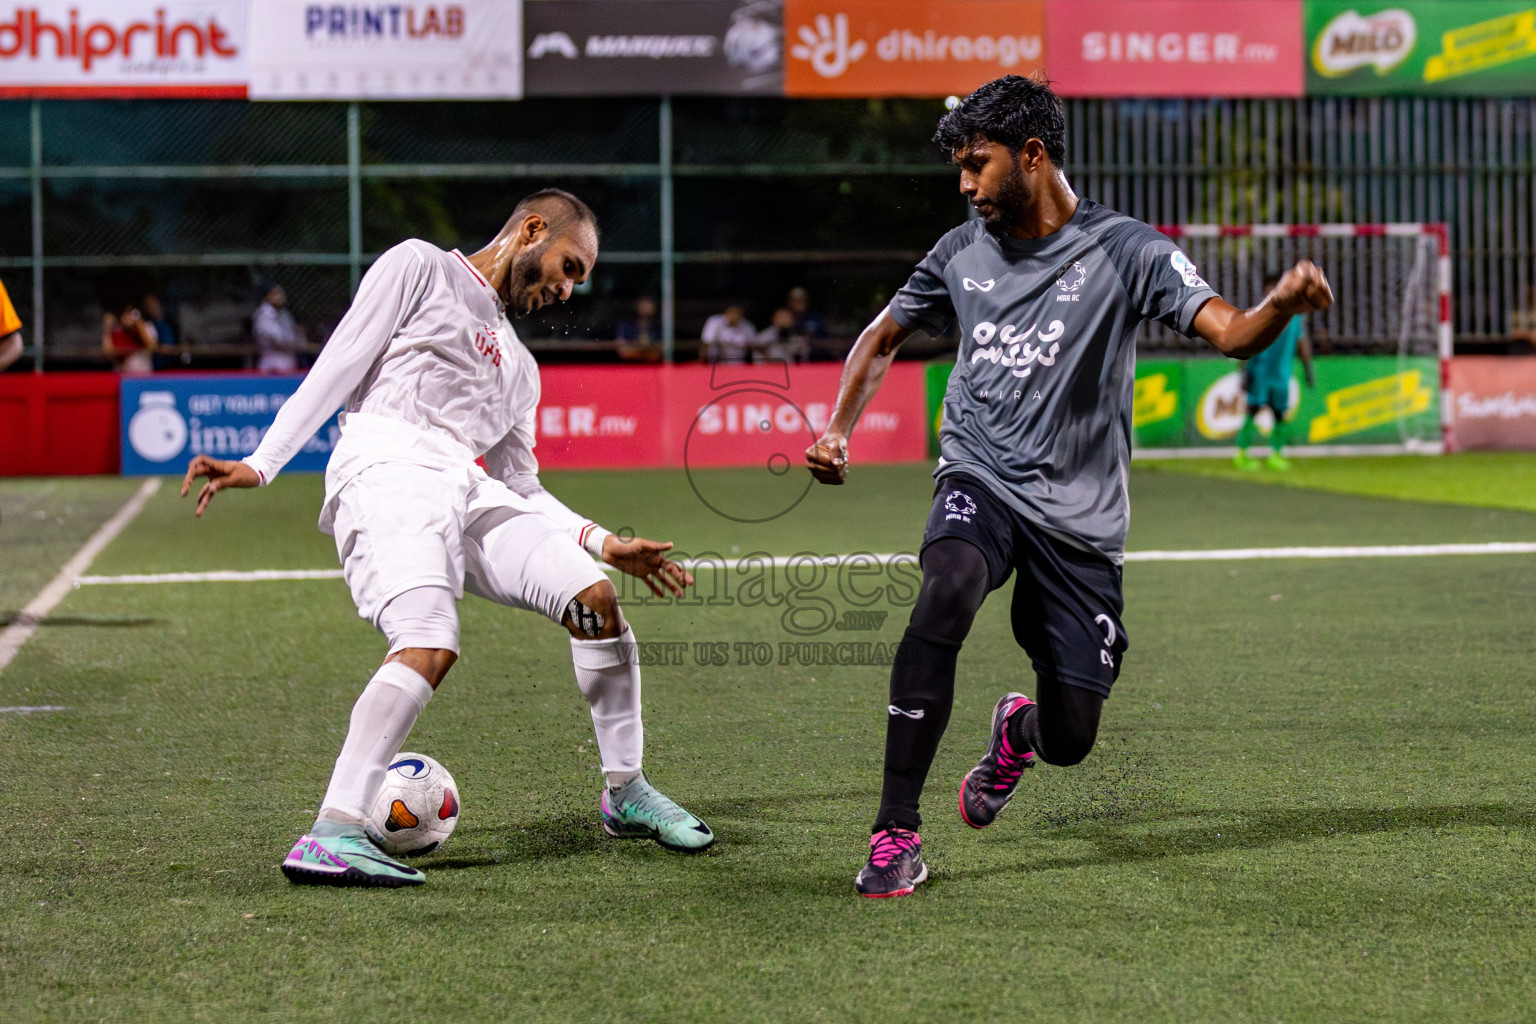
[381,720]
[608,672]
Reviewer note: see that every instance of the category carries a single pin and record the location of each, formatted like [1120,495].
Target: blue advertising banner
[166,420]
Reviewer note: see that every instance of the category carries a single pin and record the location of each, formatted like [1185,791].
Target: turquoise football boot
[348,858]
[639,811]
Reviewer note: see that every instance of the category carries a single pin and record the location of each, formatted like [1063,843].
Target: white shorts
[400,526]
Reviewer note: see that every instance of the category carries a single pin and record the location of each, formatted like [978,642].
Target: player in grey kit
[1049,290]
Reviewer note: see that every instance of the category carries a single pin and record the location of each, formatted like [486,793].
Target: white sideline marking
[20,631]
[28,711]
[222,576]
[1213,555]
[1379,551]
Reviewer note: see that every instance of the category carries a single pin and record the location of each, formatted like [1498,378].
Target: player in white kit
[432,377]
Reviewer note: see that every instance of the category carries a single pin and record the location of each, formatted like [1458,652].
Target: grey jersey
[1039,404]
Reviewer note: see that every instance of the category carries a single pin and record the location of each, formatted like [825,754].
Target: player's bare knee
[431,663]
[594,613]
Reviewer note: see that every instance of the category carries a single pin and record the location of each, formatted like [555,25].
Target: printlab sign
[166,421]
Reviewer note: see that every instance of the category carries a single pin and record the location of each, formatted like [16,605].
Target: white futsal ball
[417,807]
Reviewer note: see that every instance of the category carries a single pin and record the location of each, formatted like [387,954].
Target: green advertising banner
[1157,416]
[1200,403]
[938,380]
[1357,400]
[1428,47]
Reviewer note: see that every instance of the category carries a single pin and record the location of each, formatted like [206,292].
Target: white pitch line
[28,711]
[21,630]
[1379,551]
[221,576]
[780,561]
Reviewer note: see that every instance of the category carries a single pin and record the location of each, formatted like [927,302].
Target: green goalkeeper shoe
[640,811]
[349,859]
[1277,462]
[1246,462]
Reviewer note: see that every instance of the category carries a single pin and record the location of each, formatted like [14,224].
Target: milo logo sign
[1351,41]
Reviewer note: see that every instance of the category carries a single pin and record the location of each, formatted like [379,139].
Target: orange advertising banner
[1495,403]
[908,47]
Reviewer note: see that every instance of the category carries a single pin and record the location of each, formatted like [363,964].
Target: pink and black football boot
[989,786]
[895,865]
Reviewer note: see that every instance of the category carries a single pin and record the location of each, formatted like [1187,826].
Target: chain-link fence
[702,201]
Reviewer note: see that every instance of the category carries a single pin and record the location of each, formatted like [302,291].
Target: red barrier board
[58,424]
[1175,48]
[591,417]
[1494,403]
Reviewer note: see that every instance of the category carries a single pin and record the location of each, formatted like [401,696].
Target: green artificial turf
[1314,796]
[1493,479]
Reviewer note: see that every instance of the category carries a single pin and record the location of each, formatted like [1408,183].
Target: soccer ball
[417,807]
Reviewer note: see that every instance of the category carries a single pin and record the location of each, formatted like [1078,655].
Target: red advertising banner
[696,416]
[907,47]
[123,48]
[1495,402]
[1175,48]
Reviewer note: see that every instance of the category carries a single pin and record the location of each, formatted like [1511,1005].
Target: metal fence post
[668,261]
[37,236]
[354,197]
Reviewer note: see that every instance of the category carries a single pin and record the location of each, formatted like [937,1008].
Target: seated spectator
[129,341]
[728,337]
[278,338]
[781,340]
[808,323]
[10,331]
[639,337]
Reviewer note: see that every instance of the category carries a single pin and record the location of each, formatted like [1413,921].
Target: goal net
[1392,298]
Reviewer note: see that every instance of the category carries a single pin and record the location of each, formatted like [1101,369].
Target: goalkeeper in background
[1267,382]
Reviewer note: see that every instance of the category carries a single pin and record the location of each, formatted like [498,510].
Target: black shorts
[1067,601]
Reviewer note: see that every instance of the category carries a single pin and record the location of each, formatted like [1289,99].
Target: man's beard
[523,281]
[1008,206]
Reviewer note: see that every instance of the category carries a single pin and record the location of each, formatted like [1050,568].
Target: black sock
[922,694]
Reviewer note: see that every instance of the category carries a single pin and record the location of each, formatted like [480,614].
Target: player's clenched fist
[220,474]
[827,459]
[1303,289]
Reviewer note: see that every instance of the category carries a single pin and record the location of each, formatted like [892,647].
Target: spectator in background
[808,323]
[278,338]
[165,334]
[639,338]
[10,331]
[129,341]
[728,337]
[781,339]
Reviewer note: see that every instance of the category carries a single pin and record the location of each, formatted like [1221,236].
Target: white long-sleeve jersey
[428,370]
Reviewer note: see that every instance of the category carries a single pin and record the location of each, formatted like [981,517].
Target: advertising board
[908,48]
[467,49]
[1472,47]
[1171,48]
[81,49]
[1495,403]
[168,419]
[662,47]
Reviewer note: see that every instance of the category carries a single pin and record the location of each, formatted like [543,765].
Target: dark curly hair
[1010,110]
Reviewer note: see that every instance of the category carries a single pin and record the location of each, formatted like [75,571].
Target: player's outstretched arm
[220,474]
[647,560]
[863,373]
[1242,333]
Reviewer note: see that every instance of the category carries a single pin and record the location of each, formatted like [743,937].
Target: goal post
[1392,306]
